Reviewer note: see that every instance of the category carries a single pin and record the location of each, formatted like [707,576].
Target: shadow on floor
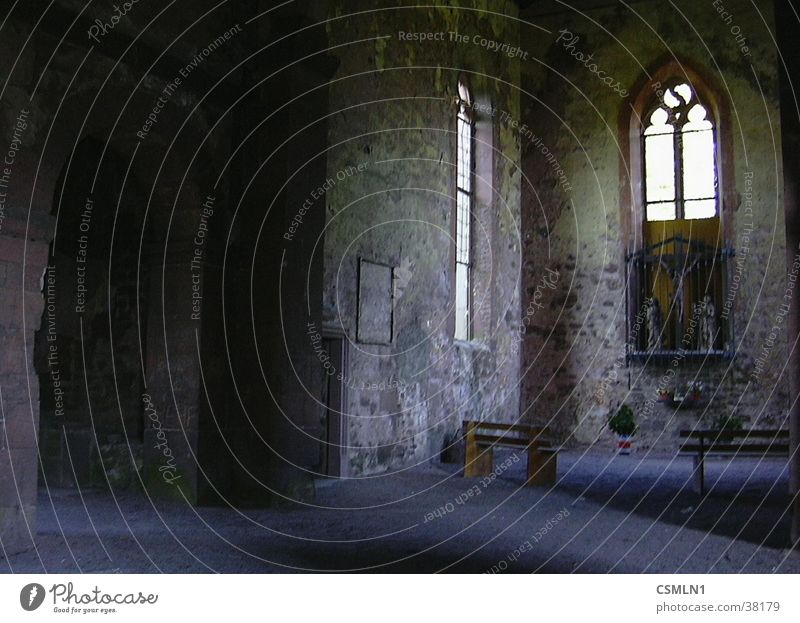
[746,498]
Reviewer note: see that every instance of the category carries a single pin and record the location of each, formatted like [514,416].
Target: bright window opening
[681,179]
[464,201]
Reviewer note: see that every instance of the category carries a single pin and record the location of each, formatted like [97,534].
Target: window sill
[472,345]
[661,355]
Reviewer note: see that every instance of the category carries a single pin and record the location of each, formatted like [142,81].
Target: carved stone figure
[655,324]
[708,323]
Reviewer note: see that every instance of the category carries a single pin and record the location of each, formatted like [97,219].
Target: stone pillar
[24,238]
[182,454]
[21,306]
[788,31]
[172,391]
[793,328]
[274,420]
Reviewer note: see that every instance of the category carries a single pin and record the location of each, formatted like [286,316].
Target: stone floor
[607,513]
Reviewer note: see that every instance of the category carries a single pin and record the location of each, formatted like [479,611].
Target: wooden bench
[702,443]
[483,437]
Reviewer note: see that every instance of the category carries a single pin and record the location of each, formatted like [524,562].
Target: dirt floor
[607,513]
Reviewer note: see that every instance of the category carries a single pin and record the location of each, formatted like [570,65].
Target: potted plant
[665,395]
[729,423]
[694,391]
[623,423]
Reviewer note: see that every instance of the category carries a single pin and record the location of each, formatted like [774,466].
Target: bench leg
[542,468]
[480,463]
[699,474]
[477,461]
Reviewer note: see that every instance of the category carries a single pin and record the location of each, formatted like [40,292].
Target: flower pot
[624,444]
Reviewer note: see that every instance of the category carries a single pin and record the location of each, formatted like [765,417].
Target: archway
[90,409]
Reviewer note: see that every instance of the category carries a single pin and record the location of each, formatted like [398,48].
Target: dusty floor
[623,515]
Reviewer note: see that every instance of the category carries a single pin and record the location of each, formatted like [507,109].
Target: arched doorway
[87,349]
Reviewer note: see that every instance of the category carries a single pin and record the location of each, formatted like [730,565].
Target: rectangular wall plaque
[375,321]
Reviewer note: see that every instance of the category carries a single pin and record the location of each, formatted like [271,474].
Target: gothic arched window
[680,170]
[676,217]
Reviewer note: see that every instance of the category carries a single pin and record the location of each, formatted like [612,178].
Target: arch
[642,97]
[677,265]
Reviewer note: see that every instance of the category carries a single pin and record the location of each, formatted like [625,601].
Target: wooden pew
[703,443]
[483,437]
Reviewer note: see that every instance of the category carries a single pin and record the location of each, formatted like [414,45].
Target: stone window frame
[631,124]
[632,119]
[465,114]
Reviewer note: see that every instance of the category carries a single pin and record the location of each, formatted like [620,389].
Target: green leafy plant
[623,422]
[727,423]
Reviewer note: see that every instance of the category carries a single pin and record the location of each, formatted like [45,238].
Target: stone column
[24,241]
[172,393]
[21,307]
[181,454]
[789,45]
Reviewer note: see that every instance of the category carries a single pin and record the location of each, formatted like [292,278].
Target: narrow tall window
[463,229]
[679,158]
[678,278]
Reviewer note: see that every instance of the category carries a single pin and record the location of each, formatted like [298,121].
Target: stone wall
[23,257]
[391,200]
[86,361]
[574,215]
